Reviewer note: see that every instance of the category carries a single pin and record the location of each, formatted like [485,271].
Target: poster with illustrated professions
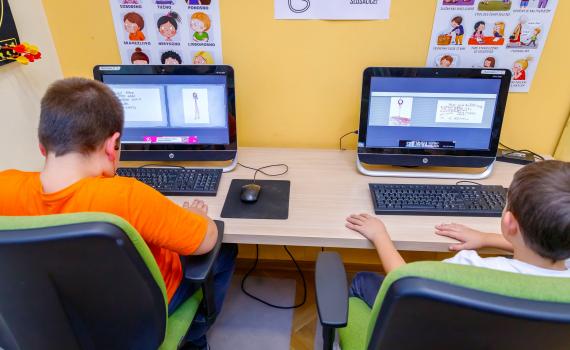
[332,9]
[168,31]
[508,34]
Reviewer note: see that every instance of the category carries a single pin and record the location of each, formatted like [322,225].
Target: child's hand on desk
[197,206]
[368,226]
[470,239]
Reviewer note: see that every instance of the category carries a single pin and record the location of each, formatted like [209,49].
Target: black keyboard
[177,181]
[445,200]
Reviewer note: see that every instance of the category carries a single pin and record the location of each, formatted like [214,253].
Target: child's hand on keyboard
[470,239]
[197,206]
[367,225]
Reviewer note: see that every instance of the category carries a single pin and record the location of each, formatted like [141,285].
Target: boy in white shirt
[535,226]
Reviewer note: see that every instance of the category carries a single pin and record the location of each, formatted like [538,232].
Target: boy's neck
[528,256]
[64,171]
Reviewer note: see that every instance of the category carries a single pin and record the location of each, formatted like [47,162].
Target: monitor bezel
[168,152]
[422,72]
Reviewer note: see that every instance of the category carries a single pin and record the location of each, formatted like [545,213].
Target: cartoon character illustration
[479,38]
[457,29]
[200,23]
[134,24]
[489,62]
[478,33]
[139,57]
[494,5]
[170,57]
[198,2]
[203,57]
[458,2]
[499,30]
[533,37]
[168,25]
[515,38]
[519,68]
[445,61]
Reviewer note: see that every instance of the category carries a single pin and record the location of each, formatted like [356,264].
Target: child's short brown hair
[77,115]
[539,198]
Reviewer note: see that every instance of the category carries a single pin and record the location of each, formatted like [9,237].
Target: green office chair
[436,305]
[89,281]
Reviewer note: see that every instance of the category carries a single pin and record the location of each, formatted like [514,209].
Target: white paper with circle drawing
[332,9]
[507,34]
[168,31]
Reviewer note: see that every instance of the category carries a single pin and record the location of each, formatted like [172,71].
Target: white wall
[21,88]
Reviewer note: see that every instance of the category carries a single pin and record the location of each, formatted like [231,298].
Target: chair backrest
[78,281]
[439,305]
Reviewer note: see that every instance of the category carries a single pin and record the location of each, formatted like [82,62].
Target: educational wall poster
[332,9]
[168,31]
[8,32]
[507,34]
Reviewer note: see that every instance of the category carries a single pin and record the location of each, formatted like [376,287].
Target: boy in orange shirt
[80,127]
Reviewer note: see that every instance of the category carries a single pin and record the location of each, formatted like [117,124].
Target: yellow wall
[563,149]
[298,82]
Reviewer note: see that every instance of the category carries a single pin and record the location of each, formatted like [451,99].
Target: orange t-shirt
[168,229]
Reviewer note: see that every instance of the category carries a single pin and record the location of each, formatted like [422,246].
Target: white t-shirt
[470,257]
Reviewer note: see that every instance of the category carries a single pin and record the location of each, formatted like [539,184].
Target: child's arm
[472,239]
[374,229]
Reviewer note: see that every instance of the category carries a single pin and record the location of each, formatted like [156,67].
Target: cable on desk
[261,170]
[343,136]
[264,301]
[468,182]
[527,151]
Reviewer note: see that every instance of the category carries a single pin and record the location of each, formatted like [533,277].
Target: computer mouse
[250,193]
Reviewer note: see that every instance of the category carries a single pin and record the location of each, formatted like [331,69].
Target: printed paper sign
[140,104]
[463,112]
[196,106]
[507,34]
[168,31]
[332,9]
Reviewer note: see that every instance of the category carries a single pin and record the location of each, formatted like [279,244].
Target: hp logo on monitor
[171,156]
[425,160]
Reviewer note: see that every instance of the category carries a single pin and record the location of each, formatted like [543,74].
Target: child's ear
[510,224]
[43,150]
[112,145]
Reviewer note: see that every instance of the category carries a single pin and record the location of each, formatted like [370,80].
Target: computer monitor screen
[448,113]
[174,108]
[429,111]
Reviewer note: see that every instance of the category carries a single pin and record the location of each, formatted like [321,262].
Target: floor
[304,317]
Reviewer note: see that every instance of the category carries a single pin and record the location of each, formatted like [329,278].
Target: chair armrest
[198,267]
[332,291]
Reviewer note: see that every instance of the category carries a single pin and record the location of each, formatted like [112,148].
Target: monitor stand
[397,172]
[225,169]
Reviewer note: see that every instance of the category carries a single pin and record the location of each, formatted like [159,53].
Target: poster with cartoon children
[168,31]
[492,34]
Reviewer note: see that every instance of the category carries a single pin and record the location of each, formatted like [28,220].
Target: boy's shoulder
[9,175]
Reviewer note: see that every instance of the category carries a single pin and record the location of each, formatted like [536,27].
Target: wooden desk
[325,188]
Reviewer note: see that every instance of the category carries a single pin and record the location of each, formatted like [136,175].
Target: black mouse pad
[272,203]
